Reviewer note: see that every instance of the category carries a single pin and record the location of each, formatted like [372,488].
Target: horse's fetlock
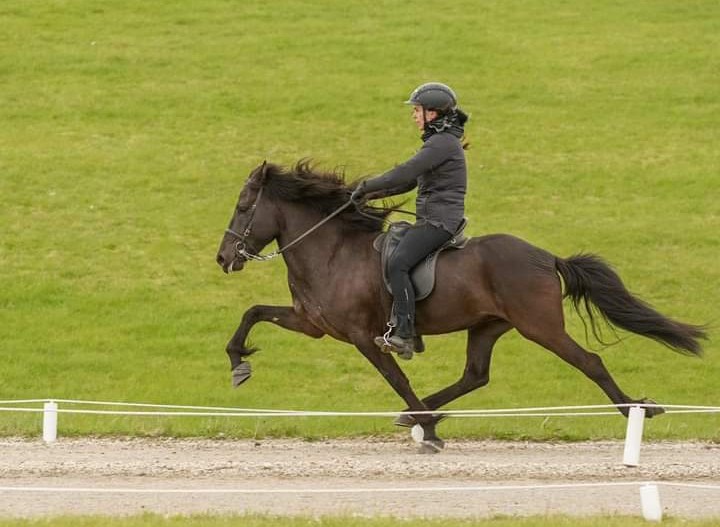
[235,350]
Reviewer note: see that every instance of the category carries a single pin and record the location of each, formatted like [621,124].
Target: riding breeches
[419,241]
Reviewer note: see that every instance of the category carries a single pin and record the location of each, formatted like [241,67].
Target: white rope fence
[649,490]
[631,453]
[352,490]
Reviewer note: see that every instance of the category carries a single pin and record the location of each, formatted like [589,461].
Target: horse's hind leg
[481,339]
[545,326]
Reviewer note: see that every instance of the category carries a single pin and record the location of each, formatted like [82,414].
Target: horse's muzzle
[235,264]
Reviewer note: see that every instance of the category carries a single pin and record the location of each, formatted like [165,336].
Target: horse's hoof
[241,373]
[651,412]
[406,420]
[431,446]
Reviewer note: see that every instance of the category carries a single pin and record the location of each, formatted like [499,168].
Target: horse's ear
[259,174]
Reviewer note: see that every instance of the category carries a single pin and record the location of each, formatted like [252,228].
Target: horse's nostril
[220,260]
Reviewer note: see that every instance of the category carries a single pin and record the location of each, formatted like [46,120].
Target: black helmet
[434,96]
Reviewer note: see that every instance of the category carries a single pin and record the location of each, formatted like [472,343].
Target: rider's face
[418,116]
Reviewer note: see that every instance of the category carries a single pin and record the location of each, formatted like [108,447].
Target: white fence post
[633,436]
[50,421]
[650,503]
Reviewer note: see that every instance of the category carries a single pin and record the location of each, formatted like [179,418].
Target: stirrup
[386,344]
[383,342]
[389,347]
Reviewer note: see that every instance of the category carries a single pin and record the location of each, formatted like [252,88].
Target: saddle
[422,275]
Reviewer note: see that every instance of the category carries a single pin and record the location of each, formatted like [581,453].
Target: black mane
[323,191]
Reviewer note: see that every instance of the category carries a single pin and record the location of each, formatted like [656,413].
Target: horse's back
[506,249]
[492,274]
[507,266]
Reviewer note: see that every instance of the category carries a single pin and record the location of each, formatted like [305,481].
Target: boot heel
[405,354]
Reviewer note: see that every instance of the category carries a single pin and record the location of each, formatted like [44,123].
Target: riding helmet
[434,96]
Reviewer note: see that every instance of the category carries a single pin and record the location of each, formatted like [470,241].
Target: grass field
[264,521]
[128,128]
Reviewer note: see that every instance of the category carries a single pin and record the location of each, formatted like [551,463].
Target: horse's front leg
[285,317]
[393,374]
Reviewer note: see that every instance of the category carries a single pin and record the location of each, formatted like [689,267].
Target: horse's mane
[323,191]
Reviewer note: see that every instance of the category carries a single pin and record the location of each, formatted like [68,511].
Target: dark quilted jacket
[440,173]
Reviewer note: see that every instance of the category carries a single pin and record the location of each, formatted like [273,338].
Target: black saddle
[422,275]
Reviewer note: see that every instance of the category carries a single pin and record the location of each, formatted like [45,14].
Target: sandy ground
[314,478]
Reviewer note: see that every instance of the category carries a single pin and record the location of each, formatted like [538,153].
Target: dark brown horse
[497,283]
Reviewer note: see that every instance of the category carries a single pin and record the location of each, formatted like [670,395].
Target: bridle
[241,245]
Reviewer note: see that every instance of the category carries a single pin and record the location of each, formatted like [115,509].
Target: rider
[440,173]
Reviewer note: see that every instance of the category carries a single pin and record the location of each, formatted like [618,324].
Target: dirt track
[341,464]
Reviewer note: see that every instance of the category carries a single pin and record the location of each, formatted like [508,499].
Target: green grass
[128,128]
[267,521]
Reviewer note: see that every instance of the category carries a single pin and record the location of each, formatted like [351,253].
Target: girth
[422,275]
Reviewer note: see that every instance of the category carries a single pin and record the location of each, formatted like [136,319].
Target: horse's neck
[324,251]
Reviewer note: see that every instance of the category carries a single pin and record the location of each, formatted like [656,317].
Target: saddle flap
[422,275]
[387,241]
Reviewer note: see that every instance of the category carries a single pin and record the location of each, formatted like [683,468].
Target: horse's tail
[590,280]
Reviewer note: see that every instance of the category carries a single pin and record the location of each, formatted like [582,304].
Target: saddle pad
[422,275]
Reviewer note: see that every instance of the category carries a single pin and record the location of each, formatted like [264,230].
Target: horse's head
[252,225]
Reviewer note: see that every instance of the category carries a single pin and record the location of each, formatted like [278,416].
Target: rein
[399,211]
[241,246]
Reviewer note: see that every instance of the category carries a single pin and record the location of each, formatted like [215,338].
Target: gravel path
[309,467]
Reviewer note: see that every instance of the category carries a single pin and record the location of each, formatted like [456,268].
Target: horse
[496,283]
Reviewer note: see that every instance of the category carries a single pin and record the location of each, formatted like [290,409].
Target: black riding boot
[402,339]
[419,241]
[405,319]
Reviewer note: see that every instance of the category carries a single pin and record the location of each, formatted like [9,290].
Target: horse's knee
[250,317]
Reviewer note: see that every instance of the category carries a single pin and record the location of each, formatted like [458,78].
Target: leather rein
[241,245]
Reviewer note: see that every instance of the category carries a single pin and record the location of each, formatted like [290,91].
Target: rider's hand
[358,194]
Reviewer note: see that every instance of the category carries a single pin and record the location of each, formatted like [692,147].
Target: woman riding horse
[440,173]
